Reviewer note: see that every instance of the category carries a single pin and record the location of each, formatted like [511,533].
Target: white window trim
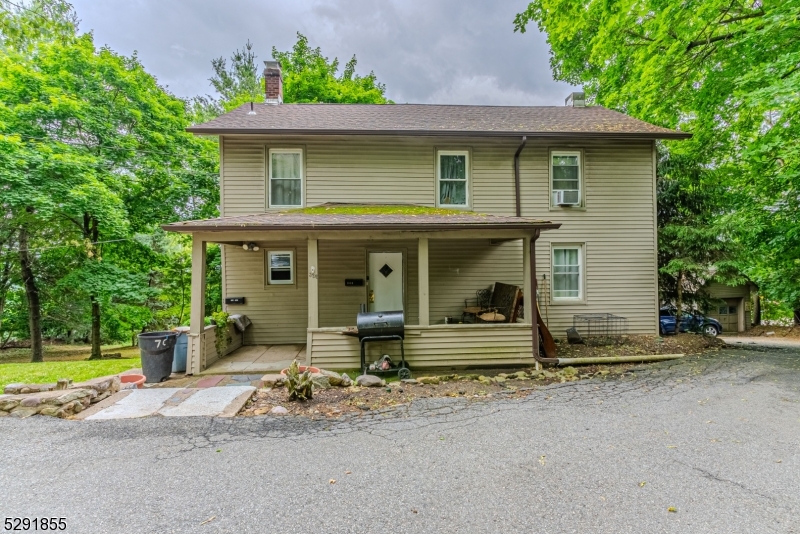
[302,176]
[467,182]
[581,273]
[292,268]
[566,152]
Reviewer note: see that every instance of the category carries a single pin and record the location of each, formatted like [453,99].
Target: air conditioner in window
[566,197]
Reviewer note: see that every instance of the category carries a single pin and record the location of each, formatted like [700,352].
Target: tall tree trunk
[92,232]
[32,295]
[679,303]
[96,355]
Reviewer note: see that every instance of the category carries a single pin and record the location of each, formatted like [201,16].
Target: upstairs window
[453,174]
[285,178]
[567,273]
[565,173]
[280,267]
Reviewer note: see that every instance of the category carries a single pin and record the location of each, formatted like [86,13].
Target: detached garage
[733,306]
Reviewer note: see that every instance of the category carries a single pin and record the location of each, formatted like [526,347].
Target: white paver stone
[140,403]
[208,402]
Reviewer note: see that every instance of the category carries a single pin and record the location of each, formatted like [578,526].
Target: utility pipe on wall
[516,174]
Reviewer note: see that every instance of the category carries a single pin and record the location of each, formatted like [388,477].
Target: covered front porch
[442,256]
[257,359]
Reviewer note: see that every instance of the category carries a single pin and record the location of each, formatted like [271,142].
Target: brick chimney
[273,82]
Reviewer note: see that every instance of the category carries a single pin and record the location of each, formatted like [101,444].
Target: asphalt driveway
[717,439]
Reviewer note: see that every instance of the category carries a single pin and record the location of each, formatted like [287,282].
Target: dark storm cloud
[434,51]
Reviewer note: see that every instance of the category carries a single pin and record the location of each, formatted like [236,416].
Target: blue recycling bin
[181,348]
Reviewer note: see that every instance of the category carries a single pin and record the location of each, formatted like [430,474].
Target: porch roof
[363,217]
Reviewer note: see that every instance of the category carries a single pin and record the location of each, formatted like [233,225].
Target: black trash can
[157,350]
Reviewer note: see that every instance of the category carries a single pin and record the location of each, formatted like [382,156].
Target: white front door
[385,281]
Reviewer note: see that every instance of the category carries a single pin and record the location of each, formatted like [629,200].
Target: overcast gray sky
[425,51]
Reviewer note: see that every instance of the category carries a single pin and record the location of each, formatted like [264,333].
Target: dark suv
[689,323]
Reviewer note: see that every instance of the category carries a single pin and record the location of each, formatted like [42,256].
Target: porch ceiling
[363,217]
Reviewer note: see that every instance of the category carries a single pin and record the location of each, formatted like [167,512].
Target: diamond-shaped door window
[385,270]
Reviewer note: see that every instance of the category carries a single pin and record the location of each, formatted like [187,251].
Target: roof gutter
[436,133]
[189,228]
[516,174]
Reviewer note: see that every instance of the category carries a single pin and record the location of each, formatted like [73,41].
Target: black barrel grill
[382,326]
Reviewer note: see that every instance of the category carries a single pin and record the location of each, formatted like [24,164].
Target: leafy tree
[690,249]
[308,76]
[96,152]
[726,70]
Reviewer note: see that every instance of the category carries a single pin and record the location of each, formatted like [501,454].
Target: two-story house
[328,207]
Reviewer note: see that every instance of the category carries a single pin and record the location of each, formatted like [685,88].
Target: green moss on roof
[388,209]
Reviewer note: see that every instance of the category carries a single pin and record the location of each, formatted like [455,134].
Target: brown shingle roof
[429,119]
[371,219]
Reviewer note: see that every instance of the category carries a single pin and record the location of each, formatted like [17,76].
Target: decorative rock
[503,375]
[500,379]
[369,381]
[75,395]
[320,381]
[346,380]
[334,379]
[484,380]
[273,380]
[260,411]
[409,381]
[9,405]
[570,371]
[30,402]
[432,380]
[110,384]
[23,412]
[521,374]
[279,410]
[49,410]
[63,383]
[16,389]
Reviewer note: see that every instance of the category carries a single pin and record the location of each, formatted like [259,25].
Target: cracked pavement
[715,437]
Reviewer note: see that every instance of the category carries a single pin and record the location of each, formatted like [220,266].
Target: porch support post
[530,298]
[313,284]
[424,294]
[527,286]
[198,304]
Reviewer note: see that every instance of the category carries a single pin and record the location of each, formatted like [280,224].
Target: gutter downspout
[516,174]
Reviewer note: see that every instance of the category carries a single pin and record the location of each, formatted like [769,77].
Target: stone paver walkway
[174,402]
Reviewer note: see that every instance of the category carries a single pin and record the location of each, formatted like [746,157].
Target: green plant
[223,338]
[299,385]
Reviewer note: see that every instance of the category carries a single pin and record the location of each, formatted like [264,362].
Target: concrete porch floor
[253,359]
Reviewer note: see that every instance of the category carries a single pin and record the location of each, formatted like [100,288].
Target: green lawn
[79,371]
[63,361]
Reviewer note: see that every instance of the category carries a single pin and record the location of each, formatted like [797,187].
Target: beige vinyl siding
[724,291]
[338,260]
[458,268]
[616,226]
[244,185]
[431,347]
[279,312]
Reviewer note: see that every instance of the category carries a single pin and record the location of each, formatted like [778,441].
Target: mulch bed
[335,402]
[639,345]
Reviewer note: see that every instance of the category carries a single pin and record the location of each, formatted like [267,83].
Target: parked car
[689,323]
